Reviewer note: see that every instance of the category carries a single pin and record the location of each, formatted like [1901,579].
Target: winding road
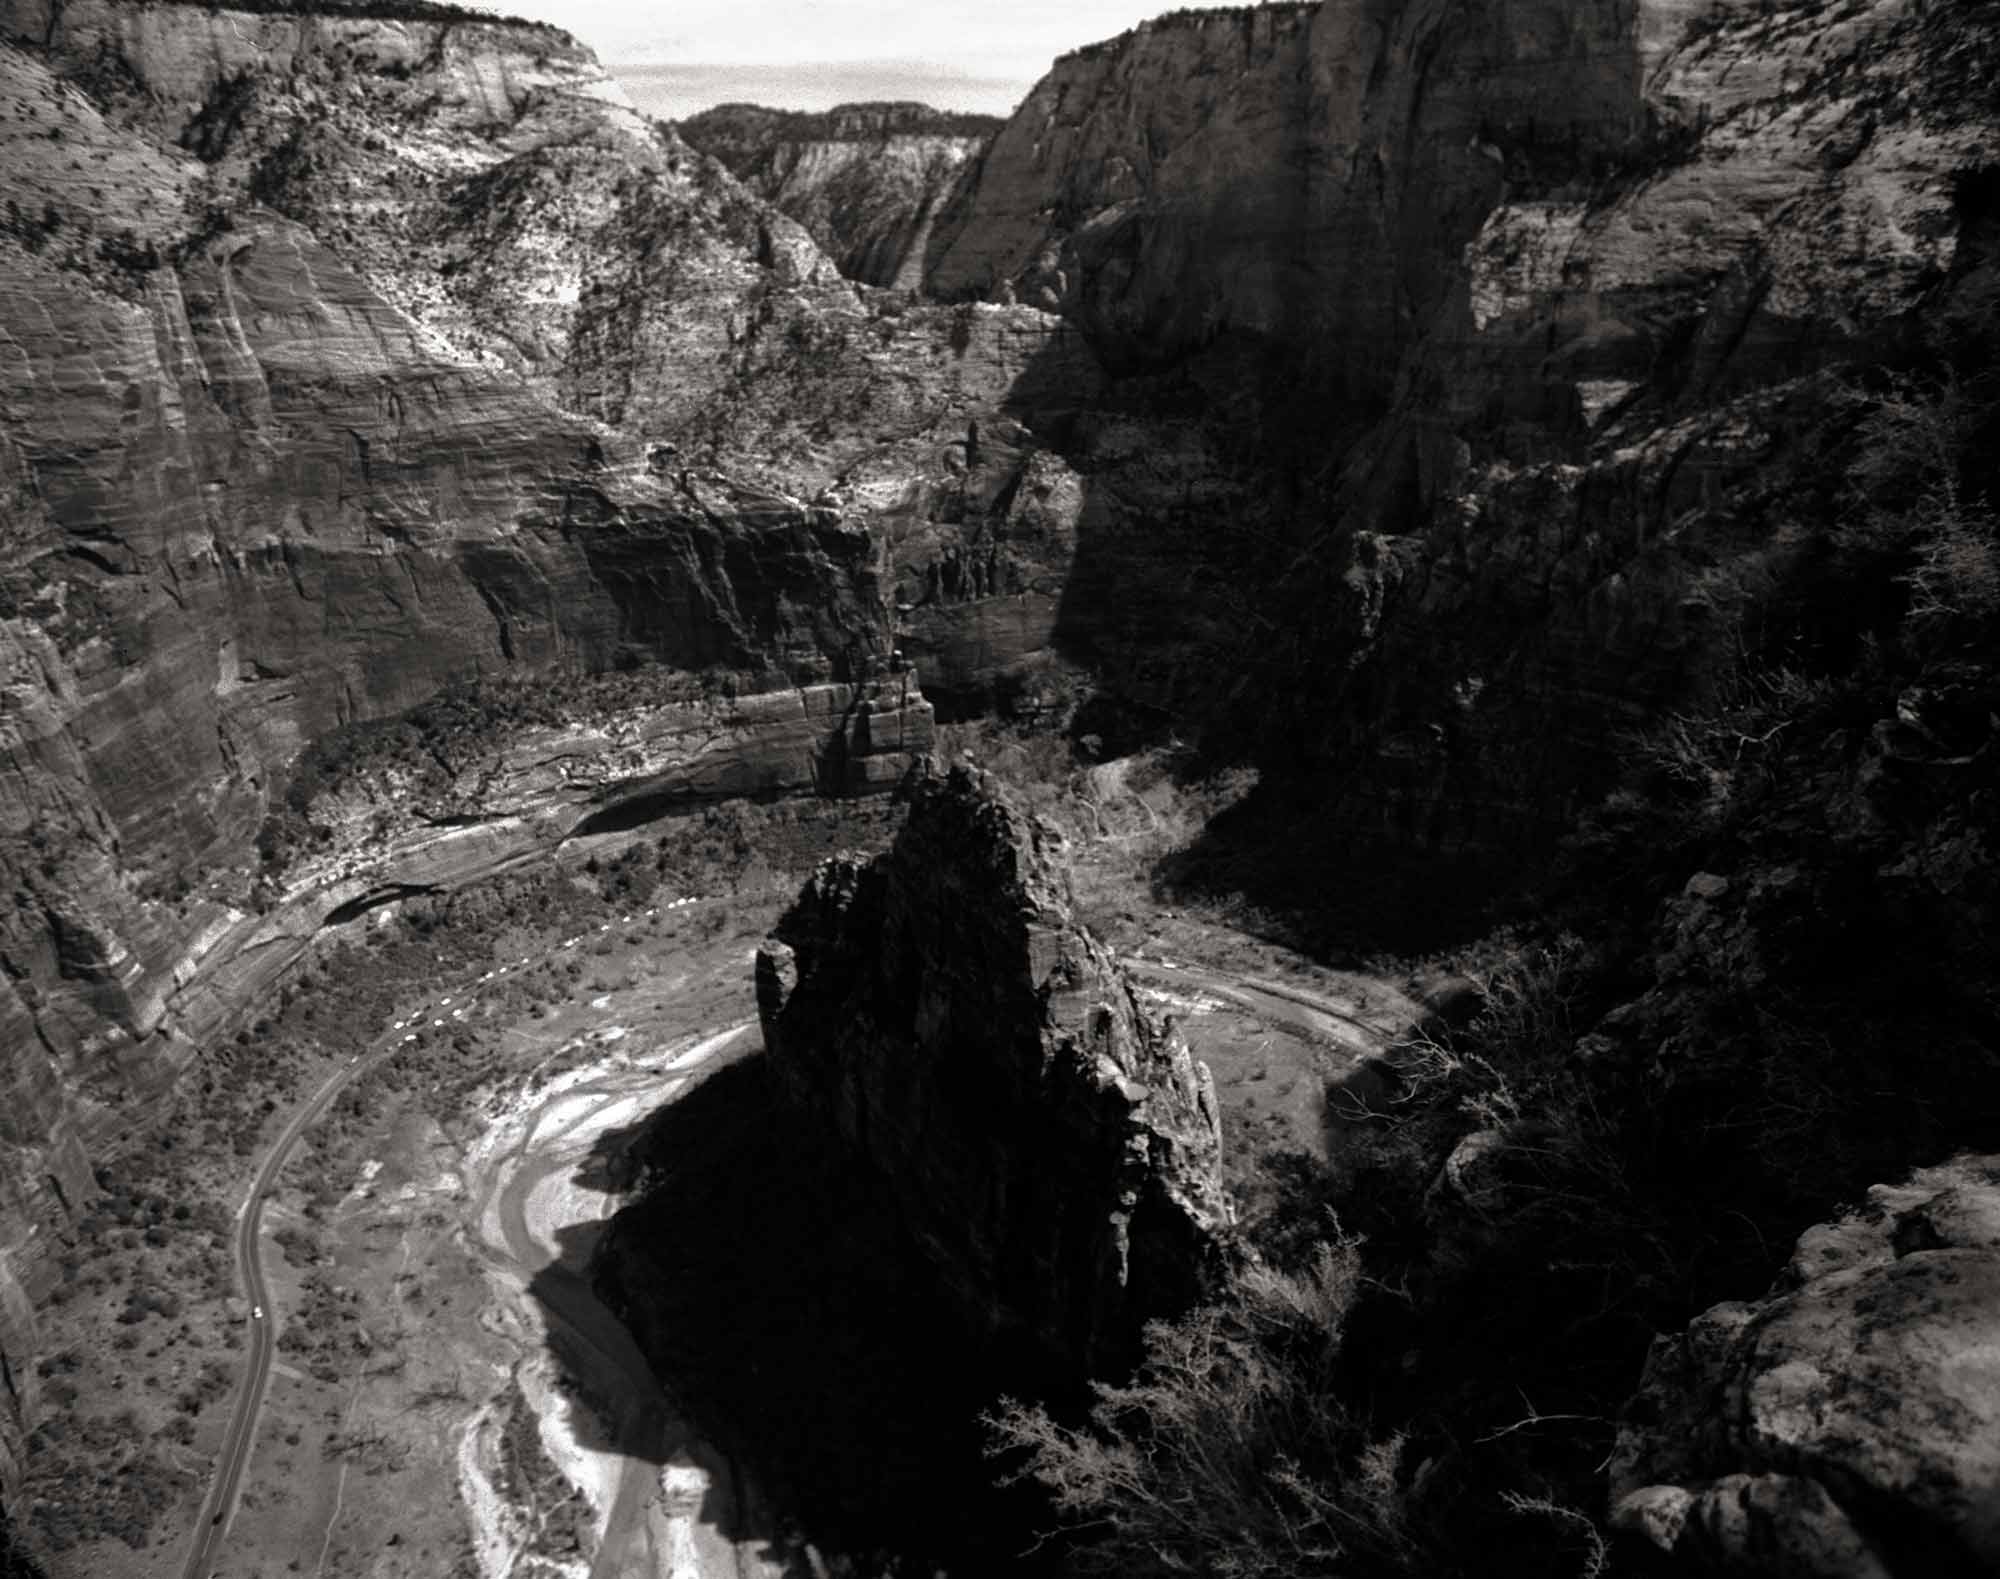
[666,1477]
[233,1459]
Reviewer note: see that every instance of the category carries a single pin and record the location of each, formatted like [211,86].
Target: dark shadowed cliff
[1459,346]
[968,1161]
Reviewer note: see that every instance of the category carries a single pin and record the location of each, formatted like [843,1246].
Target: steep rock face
[1306,172]
[1581,509]
[1551,292]
[1054,1152]
[866,180]
[1849,1426]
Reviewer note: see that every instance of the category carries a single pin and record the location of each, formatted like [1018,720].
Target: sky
[684,55]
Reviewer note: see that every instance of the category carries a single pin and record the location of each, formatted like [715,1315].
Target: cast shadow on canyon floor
[799,1336]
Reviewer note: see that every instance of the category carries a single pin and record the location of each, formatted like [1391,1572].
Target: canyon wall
[1417,395]
[343,359]
[866,180]
[1054,1152]
[1299,172]
[1513,310]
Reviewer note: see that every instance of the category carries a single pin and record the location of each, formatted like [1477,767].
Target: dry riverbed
[448,1398]
[457,1401]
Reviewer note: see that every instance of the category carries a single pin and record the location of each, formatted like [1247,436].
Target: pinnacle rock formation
[1419,400]
[1054,1151]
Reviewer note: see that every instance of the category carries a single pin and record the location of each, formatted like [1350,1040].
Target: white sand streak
[497,1529]
[593,1471]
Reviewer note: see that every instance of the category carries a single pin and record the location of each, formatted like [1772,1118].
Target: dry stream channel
[443,1368]
[448,1397]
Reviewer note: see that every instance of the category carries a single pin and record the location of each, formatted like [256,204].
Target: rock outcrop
[866,180]
[1848,1427]
[1053,1151]
[1468,362]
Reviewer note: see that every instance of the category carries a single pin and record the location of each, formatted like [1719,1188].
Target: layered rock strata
[344,356]
[866,180]
[305,413]
[1054,1151]
[1847,1427]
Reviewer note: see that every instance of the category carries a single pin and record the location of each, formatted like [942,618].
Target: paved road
[234,1460]
[242,1432]
[576,1305]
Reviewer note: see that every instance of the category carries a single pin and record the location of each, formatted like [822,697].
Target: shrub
[1908,481]
[1736,734]
[1231,1453]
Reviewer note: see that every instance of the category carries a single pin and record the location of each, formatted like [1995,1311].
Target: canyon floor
[449,1397]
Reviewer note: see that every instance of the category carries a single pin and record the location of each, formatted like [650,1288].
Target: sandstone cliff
[1487,379]
[1053,1151]
[866,180]
[1576,439]
[1305,172]
[343,357]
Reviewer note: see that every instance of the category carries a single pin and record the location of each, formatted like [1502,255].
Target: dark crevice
[374,899]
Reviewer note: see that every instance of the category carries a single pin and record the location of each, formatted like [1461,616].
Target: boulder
[1847,1426]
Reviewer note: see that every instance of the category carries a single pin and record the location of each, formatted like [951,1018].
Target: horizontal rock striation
[521,796]
[1418,393]
[305,414]
[1053,1151]
[866,180]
